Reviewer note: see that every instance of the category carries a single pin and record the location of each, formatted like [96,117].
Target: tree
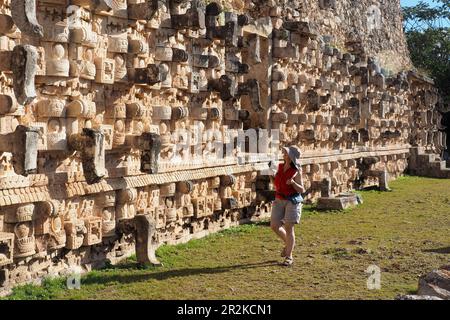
[427,30]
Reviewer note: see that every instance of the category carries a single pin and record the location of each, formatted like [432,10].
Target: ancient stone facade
[153,122]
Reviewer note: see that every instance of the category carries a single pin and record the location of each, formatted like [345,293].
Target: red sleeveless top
[280,182]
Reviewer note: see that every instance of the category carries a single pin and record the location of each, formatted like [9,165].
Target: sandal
[288,261]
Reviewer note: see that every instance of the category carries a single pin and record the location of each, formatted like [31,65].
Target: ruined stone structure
[115,114]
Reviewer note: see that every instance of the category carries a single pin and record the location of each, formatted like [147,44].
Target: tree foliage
[428,36]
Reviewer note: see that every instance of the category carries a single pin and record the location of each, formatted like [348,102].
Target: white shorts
[284,211]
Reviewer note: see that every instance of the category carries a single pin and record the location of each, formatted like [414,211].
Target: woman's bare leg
[279,230]
[290,239]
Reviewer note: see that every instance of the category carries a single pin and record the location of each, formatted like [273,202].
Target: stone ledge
[339,202]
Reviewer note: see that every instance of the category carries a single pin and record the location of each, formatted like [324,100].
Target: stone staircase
[427,164]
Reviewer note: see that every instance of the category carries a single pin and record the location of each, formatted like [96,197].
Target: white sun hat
[294,154]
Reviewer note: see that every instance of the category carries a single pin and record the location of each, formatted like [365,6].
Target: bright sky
[409,3]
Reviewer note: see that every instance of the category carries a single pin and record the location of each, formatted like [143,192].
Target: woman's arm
[297,182]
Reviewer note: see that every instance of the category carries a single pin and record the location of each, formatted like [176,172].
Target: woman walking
[286,210]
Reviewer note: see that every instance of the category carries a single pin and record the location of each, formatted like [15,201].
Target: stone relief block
[90,143]
[23,66]
[6,248]
[25,150]
[94,229]
[104,70]
[23,13]
[7,104]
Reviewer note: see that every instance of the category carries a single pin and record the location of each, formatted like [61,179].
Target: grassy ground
[405,232]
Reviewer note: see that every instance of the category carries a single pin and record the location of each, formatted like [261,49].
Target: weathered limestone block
[6,248]
[23,66]
[383,178]
[22,143]
[436,283]
[143,11]
[57,63]
[291,94]
[49,225]
[232,114]
[137,46]
[280,117]
[7,104]
[20,221]
[224,85]
[194,19]
[340,202]
[232,64]
[104,70]
[145,239]
[301,27]
[75,232]
[23,13]
[205,61]
[229,32]
[150,144]
[171,54]
[90,143]
[6,24]
[252,89]
[93,234]
[150,75]
[118,43]
[289,51]
[125,205]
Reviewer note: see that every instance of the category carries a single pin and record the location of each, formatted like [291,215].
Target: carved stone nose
[90,143]
[228,32]
[193,19]
[24,66]
[252,89]
[23,13]
[179,55]
[205,61]
[150,146]
[25,150]
[150,75]
[224,85]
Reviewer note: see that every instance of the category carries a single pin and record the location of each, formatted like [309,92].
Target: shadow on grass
[438,250]
[102,278]
[265,223]
[412,291]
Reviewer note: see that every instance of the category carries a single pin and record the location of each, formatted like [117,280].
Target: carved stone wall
[153,122]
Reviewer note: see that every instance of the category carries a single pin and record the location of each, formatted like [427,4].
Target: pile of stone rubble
[432,286]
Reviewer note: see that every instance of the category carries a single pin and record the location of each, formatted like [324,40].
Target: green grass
[405,232]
